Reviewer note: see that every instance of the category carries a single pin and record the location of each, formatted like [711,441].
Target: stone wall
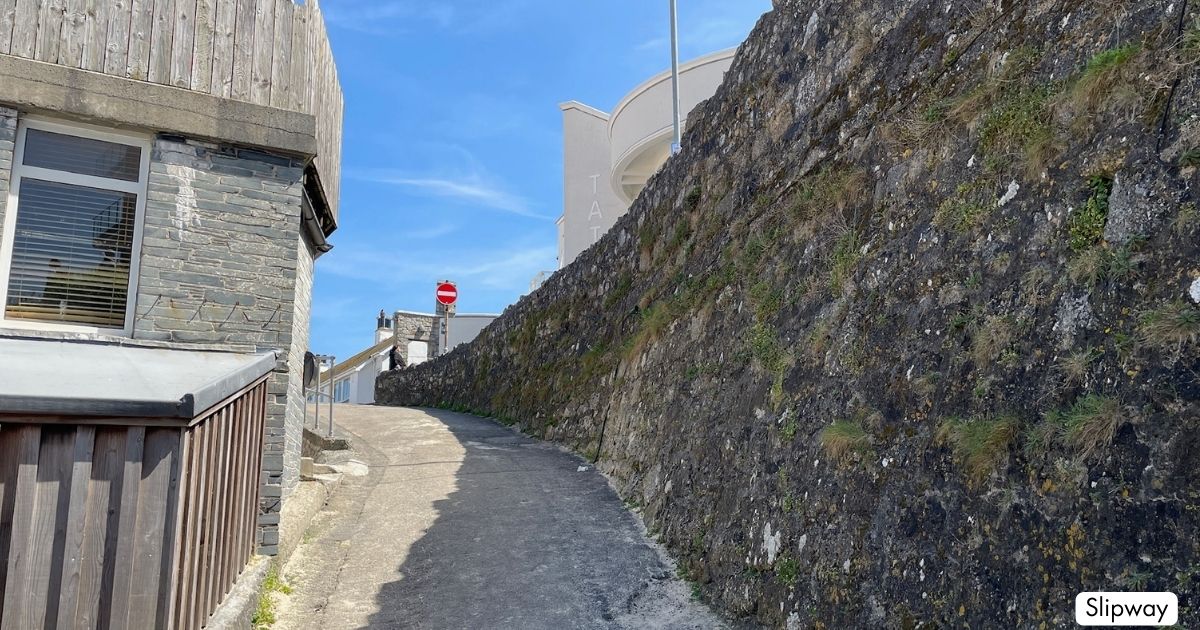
[902,338]
[223,264]
[416,327]
[301,326]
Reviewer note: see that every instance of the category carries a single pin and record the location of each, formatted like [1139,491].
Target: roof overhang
[41,87]
[68,378]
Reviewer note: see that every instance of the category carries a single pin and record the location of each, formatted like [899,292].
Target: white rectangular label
[1126,609]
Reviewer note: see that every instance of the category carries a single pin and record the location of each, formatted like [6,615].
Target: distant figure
[395,359]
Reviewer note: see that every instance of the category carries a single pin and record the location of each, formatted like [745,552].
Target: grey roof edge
[188,407]
[85,407]
[208,395]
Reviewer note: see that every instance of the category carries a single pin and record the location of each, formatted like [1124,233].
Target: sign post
[446,296]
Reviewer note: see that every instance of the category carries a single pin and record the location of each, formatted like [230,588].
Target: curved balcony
[640,128]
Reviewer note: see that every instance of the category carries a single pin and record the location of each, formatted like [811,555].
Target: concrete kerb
[237,611]
[301,507]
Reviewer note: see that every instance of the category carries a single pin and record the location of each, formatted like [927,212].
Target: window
[341,391]
[73,228]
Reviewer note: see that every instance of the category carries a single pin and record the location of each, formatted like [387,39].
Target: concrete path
[456,522]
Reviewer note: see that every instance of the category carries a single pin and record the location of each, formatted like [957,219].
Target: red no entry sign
[447,293]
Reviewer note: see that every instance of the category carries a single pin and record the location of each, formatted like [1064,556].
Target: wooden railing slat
[49,30]
[81,480]
[8,13]
[28,441]
[264,43]
[122,536]
[120,21]
[141,28]
[243,51]
[185,26]
[162,446]
[74,33]
[101,516]
[10,459]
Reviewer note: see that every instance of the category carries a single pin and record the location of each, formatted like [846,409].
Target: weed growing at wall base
[991,338]
[846,253]
[264,613]
[963,211]
[1074,367]
[1190,158]
[1019,126]
[831,189]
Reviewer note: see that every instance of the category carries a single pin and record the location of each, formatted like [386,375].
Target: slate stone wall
[223,264]
[903,337]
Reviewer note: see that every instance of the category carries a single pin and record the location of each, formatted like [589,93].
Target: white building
[419,336]
[608,158]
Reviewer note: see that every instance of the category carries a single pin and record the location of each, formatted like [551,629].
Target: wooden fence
[119,523]
[268,52]
[220,506]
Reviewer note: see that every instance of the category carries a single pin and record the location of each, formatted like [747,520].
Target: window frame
[20,171]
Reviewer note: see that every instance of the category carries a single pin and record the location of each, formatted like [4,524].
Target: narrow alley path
[462,523]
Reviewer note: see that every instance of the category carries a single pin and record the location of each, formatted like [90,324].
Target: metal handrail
[316,391]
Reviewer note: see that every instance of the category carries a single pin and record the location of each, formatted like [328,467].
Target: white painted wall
[608,159]
[641,126]
[590,206]
[467,326]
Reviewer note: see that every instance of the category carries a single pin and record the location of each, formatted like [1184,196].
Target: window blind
[85,156]
[72,244]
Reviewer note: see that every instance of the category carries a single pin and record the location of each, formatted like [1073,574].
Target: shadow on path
[526,539]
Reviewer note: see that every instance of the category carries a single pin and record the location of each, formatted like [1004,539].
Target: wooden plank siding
[216,537]
[106,526]
[274,53]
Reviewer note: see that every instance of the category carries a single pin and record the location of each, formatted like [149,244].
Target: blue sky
[452,153]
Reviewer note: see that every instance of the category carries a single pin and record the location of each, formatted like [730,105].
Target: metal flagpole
[677,144]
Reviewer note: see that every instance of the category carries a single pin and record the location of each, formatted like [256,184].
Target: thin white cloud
[705,27]
[399,16]
[386,18]
[335,309]
[470,190]
[717,33]
[651,44]
[508,269]
[431,233]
